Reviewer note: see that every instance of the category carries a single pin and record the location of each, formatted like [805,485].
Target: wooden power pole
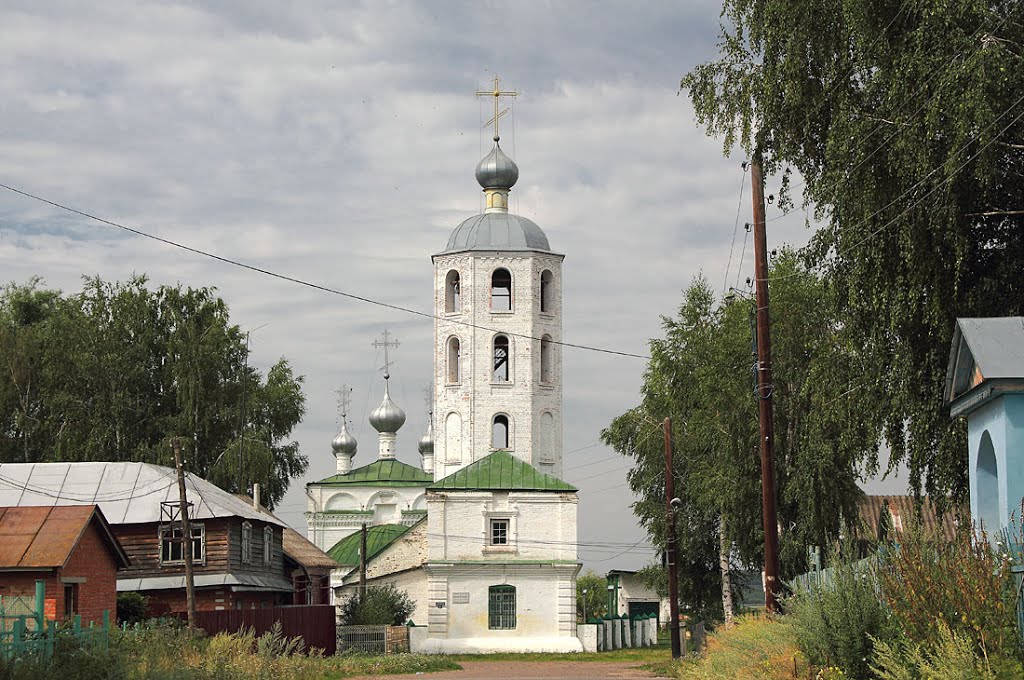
[670,548]
[186,536]
[764,394]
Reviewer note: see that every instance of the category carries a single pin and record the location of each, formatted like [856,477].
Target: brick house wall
[91,568]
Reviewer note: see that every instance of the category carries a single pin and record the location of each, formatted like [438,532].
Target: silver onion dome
[387,417]
[496,170]
[344,443]
[426,444]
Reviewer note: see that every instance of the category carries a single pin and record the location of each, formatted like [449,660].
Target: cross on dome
[497,93]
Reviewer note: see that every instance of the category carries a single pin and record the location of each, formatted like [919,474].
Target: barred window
[501,607]
[246,542]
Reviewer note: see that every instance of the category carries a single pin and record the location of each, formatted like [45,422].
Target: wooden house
[238,554]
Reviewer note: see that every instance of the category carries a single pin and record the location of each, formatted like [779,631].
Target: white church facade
[483,534]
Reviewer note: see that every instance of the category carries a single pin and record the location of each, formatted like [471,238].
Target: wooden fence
[24,628]
[314,623]
[373,639]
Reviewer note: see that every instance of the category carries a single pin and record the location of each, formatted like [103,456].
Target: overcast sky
[336,142]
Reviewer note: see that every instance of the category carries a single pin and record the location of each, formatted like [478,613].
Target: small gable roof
[984,350]
[380,473]
[500,471]
[346,551]
[44,537]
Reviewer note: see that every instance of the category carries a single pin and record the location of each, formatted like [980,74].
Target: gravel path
[529,670]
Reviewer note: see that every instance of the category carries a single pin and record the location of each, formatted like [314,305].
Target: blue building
[985,382]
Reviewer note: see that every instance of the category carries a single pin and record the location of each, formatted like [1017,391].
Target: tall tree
[115,371]
[905,120]
[701,375]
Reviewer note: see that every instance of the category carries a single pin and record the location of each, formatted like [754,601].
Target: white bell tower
[498,307]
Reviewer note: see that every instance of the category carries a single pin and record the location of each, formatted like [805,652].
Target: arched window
[499,432]
[501,291]
[500,355]
[454,360]
[987,475]
[452,292]
[546,290]
[545,359]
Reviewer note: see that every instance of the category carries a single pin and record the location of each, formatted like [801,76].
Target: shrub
[952,656]
[381,605]
[836,622]
[753,648]
[964,586]
[132,608]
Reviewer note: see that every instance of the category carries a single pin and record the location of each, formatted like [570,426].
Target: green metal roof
[380,473]
[346,551]
[500,471]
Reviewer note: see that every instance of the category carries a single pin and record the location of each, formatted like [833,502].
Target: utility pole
[670,519]
[764,394]
[362,562]
[186,536]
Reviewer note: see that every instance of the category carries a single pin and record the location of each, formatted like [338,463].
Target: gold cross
[496,93]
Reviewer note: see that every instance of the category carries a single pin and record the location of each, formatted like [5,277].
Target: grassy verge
[755,648]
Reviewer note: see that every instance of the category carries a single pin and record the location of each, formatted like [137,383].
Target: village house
[238,552]
[72,550]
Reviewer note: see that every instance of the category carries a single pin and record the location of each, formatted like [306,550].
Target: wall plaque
[460,598]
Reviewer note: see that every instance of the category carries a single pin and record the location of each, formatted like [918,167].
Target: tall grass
[754,648]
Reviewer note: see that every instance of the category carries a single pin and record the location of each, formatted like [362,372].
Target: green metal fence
[24,629]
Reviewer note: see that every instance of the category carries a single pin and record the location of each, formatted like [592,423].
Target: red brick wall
[23,584]
[92,559]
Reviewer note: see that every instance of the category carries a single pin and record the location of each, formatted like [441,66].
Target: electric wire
[735,227]
[302,282]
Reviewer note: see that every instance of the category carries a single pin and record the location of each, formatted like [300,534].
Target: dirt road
[530,670]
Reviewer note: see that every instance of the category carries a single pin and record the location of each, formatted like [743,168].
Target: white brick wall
[380,505]
[477,398]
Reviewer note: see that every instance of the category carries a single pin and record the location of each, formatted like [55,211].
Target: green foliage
[905,122]
[952,657]
[113,372]
[381,605]
[837,622]
[596,598]
[932,585]
[132,608]
[701,374]
[752,648]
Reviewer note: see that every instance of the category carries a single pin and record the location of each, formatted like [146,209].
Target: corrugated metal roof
[346,551]
[43,537]
[380,473]
[238,581]
[128,493]
[997,345]
[500,471]
[904,515]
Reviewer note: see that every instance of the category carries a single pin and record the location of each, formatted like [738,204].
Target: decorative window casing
[171,545]
[452,293]
[501,432]
[501,290]
[501,360]
[246,543]
[268,545]
[501,607]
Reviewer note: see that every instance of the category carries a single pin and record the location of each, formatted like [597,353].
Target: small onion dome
[387,417]
[344,444]
[426,445]
[496,170]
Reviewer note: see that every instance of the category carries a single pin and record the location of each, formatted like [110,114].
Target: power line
[303,282]
[735,227]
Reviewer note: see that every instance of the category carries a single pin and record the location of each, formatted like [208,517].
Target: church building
[483,534]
